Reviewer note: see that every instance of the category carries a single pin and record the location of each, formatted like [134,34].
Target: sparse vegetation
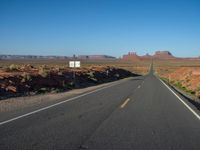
[13,67]
[43,71]
[26,77]
[140,67]
[185,75]
[32,80]
[90,74]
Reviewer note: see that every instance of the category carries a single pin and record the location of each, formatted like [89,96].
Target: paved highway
[140,113]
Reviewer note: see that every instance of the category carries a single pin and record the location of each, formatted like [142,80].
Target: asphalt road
[139,113]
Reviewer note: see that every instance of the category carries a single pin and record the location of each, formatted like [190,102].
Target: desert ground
[31,77]
[181,73]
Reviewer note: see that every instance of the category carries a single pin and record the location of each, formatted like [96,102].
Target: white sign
[77,64]
[74,64]
[71,64]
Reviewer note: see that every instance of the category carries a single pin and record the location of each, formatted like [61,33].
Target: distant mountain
[31,57]
[102,57]
[157,55]
[93,57]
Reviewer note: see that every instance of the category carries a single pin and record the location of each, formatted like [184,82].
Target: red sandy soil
[189,77]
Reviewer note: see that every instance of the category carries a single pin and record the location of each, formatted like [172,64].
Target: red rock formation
[163,55]
[131,56]
[158,55]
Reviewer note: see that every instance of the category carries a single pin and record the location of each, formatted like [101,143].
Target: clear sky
[112,27]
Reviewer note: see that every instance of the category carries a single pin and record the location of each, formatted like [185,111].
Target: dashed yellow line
[125,103]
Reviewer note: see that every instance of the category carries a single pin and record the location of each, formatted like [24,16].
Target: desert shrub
[43,67]
[90,74]
[56,68]
[13,67]
[184,88]
[26,77]
[178,84]
[192,92]
[43,71]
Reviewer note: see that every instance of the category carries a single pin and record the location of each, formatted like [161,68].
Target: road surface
[140,113]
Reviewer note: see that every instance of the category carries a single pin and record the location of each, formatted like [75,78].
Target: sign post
[74,64]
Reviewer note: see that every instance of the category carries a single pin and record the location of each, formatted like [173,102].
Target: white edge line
[198,117]
[53,105]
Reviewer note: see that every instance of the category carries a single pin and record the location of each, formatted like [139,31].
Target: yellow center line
[125,103]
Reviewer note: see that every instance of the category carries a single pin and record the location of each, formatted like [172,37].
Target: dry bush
[43,71]
[13,67]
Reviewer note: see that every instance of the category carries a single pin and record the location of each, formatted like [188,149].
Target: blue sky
[109,27]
